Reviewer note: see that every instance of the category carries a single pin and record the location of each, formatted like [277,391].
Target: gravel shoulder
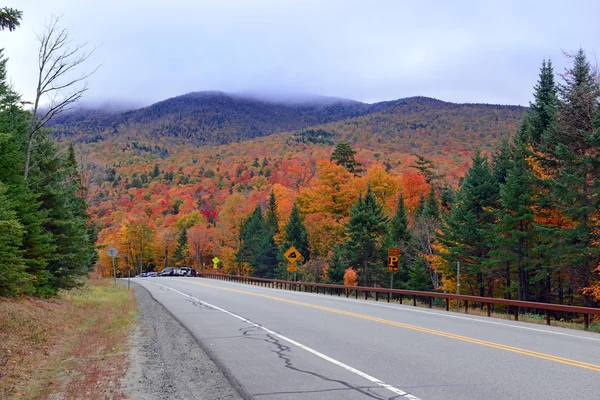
[166,361]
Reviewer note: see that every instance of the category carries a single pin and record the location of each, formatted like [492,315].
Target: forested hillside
[513,199]
[209,118]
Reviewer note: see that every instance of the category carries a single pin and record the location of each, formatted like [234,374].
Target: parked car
[153,273]
[169,271]
[185,271]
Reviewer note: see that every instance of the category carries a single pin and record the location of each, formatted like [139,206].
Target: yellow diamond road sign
[292,254]
[216,260]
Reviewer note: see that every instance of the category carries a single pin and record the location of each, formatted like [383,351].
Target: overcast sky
[372,50]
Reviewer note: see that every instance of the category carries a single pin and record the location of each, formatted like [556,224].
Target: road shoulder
[166,361]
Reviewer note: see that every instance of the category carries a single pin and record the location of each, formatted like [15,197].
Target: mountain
[212,118]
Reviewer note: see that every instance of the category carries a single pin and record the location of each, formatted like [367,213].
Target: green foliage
[10,18]
[46,242]
[257,245]
[296,235]
[467,229]
[366,229]
[344,155]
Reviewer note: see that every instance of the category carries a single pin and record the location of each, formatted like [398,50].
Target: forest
[522,218]
[47,238]
[512,194]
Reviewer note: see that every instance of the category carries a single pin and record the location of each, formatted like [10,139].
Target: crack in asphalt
[282,348]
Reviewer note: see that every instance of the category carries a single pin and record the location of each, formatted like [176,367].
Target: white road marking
[446,314]
[395,390]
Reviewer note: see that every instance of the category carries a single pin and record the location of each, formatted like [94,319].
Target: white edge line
[433,312]
[368,377]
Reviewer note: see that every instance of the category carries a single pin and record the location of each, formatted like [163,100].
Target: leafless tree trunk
[58,79]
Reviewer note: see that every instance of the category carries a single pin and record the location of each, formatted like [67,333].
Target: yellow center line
[486,343]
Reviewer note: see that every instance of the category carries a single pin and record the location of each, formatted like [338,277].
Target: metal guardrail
[311,287]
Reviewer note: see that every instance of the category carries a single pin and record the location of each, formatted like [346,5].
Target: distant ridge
[213,117]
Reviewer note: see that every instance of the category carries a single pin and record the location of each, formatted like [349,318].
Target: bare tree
[58,79]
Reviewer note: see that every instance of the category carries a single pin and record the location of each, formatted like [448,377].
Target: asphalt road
[277,344]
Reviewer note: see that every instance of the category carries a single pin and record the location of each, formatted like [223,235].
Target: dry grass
[66,348]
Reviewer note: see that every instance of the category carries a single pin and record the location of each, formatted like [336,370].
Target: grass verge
[74,346]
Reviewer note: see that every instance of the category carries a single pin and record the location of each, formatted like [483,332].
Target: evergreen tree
[344,155]
[514,233]
[467,229]
[296,235]
[418,278]
[541,114]
[182,251]
[257,246]
[427,168]
[10,18]
[56,179]
[271,219]
[366,229]
[337,266]
[155,172]
[398,236]
[13,278]
[431,208]
[572,159]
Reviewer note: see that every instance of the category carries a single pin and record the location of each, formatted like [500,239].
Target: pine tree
[514,236]
[366,229]
[572,155]
[542,111]
[344,155]
[466,230]
[398,236]
[181,253]
[337,266]
[296,235]
[56,179]
[257,246]
[418,278]
[13,278]
[431,208]
[271,219]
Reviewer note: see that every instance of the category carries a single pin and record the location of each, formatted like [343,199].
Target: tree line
[523,223]
[47,242]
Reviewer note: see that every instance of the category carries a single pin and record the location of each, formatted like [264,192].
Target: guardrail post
[547,317]
[489,309]
[466,306]
[414,300]
[376,296]
[388,297]
[366,294]
[516,313]
[400,299]
[430,300]
[356,293]
[447,304]
[586,321]
[347,292]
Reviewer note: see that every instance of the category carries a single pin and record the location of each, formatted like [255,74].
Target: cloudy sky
[371,50]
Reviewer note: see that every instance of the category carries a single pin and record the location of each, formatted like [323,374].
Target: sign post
[458,285]
[112,253]
[292,255]
[393,263]
[215,262]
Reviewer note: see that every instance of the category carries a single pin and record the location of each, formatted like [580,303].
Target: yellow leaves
[324,231]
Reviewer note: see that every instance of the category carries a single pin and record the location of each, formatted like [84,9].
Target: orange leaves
[331,192]
[350,277]
[413,184]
